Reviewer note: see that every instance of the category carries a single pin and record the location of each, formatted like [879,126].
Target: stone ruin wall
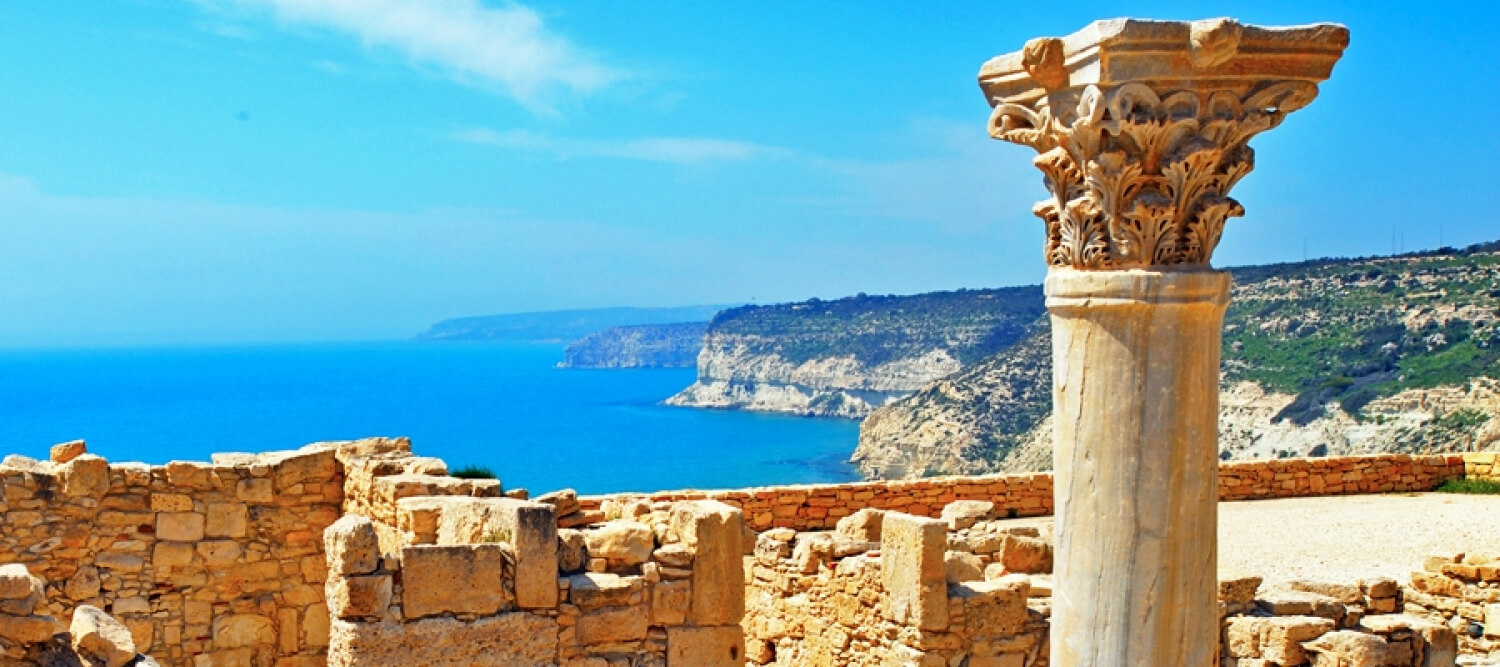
[223,563]
[206,563]
[815,507]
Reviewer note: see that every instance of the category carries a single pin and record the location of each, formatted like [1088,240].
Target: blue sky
[180,171]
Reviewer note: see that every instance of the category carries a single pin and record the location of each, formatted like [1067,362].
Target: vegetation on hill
[969,324]
[557,325]
[1331,333]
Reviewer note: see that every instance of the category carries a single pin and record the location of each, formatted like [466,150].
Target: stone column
[1141,129]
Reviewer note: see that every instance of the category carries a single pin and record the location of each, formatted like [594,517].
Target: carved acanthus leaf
[1139,178]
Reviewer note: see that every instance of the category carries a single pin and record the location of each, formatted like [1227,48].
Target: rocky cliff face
[847,357]
[641,346]
[1331,357]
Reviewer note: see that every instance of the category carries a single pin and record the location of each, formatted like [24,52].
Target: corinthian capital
[1142,128]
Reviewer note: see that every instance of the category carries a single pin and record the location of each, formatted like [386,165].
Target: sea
[502,406]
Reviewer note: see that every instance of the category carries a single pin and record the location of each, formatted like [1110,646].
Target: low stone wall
[814,507]
[493,581]
[208,563]
[1461,591]
[890,588]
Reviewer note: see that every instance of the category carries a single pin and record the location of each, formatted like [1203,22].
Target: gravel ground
[1343,538]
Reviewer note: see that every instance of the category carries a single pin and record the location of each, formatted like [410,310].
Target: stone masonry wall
[206,563]
[494,582]
[812,507]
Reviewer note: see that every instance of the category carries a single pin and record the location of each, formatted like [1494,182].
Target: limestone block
[961,514]
[100,638]
[243,630]
[84,475]
[26,604]
[16,582]
[1347,648]
[172,555]
[460,578]
[190,474]
[713,531]
[993,608]
[722,646]
[812,551]
[593,590]
[572,552]
[566,501]
[1301,603]
[179,526]
[27,630]
[315,626]
[769,549]
[613,624]
[351,546]
[122,562]
[1032,555]
[626,542]
[670,601]
[861,526]
[358,596]
[673,555]
[1277,639]
[1237,589]
[507,640]
[67,451]
[171,502]
[227,520]
[913,570]
[533,528]
[83,585]
[255,490]
[222,553]
[1348,594]
[963,566]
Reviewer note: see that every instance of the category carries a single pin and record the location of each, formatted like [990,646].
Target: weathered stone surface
[913,570]
[27,630]
[670,601]
[464,579]
[179,526]
[507,640]
[592,590]
[227,520]
[84,583]
[627,542]
[565,500]
[1348,594]
[16,582]
[993,608]
[572,552]
[861,526]
[722,646]
[963,566]
[1238,589]
[1276,639]
[243,630]
[358,596]
[67,451]
[84,475]
[351,546]
[713,530]
[1301,603]
[613,624]
[961,514]
[1031,555]
[100,638]
[1346,648]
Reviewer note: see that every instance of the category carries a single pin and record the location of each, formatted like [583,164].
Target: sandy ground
[1347,537]
[1344,538]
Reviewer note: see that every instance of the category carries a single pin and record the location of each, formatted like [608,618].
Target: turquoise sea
[503,406]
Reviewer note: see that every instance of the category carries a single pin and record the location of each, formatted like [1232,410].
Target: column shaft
[1136,356]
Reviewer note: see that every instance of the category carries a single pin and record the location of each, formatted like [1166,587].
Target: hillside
[1321,357]
[846,357]
[638,346]
[558,325]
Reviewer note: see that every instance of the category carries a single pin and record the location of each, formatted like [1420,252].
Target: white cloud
[509,46]
[677,150]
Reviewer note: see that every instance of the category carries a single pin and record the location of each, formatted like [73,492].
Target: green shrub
[1474,486]
[473,472]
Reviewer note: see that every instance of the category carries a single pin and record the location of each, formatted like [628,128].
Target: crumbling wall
[493,581]
[820,506]
[213,561]
[1462,592]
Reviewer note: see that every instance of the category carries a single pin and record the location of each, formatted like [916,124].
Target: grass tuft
[1472,486]
[473,472]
